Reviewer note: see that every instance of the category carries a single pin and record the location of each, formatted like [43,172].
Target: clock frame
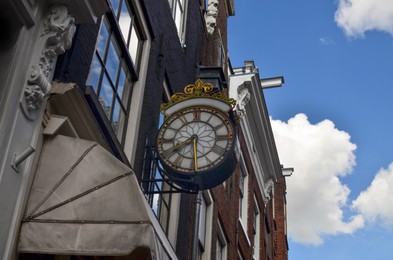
[196,144]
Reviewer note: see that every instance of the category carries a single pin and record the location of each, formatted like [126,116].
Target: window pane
[115,5]
[113,59]
[95,73]
[202,221]
[103,38]
[118,119]
[125,22]
[134,45]
[218,249]
[178,18]
[106,96]
[164,217]
[121,82]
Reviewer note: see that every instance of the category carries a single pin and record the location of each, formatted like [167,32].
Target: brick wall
[280,238]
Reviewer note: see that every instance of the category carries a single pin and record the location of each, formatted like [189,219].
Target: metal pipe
[18,159]
[195,241]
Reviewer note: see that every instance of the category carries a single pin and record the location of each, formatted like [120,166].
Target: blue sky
[332,120]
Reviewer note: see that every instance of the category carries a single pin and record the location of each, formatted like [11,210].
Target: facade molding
[243,94]
[211,15]
[59,29]
[245,88]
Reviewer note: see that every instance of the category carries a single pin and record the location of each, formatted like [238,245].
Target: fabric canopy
[84,201]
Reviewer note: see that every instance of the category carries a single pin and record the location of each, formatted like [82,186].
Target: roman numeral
[168,153]
[210,117]
[178,160]
[208,161]
[183,119]
[197,115]
[218,150]
[218,126]
[164,140]
[222,137]
[170,127]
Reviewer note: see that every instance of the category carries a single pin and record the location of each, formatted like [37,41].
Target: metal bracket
[170,181]
[18,159]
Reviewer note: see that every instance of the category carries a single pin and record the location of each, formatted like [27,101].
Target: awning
[84,201]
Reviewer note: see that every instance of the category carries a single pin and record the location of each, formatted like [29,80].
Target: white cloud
[356,17]
[376,203]
[327,41]
[320,154]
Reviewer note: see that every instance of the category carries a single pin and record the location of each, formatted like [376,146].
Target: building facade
[80,111]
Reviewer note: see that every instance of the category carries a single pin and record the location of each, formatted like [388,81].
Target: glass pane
[118,119]
[181,3]
[218,249]
[106,96]
[164,217]
[134,45]
[202,222]
[103,37]
[115,6]
[121,82]
[95,73]
[113,59]
[178,18]
[125,21]
[155,203]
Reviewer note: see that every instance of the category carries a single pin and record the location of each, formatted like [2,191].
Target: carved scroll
[59,29]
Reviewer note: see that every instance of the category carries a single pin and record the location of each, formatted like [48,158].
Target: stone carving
[37,88]
[59,29]
[33,97]
[211,15]
[243,97]
[267,189]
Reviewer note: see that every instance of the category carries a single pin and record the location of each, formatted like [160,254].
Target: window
[221,244]
[163,202]
[111,79]
[205,225]
[243,195]
[127,22]
[178,9]
[115,63]
[159,201]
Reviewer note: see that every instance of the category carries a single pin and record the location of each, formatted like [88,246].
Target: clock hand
[195,152]
[180,145]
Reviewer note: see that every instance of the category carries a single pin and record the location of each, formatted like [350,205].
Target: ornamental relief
[211,15]
[59,29]
[243,97]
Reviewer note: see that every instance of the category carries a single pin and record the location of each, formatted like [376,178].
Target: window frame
[117,110]
[181,28]
[222,240]
[243,194]
[168,203]
[204,249]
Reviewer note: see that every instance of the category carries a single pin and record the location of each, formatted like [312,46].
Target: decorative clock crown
[198,90]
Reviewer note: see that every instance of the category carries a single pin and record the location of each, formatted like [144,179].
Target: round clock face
[195,139]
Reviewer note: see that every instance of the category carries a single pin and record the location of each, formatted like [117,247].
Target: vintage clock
[196,142]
